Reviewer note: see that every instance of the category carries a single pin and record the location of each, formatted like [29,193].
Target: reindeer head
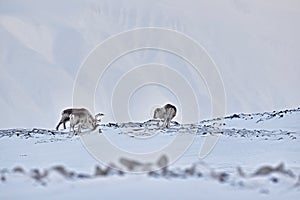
[98,117]
[157,113]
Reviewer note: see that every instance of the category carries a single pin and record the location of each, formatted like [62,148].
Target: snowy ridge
[276,120]
[258,117]
[228,126]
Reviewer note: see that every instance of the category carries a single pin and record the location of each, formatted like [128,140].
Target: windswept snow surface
[250,160]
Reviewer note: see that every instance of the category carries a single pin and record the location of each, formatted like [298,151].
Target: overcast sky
[255,46]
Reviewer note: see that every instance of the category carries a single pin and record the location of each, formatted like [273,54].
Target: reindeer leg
[79,128]
[71,132]
[67,118]
[168,120]
[165,123]
[63,121]
[59,123]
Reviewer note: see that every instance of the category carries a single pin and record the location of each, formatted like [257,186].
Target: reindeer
[166,113]
[66,114]
[84,120]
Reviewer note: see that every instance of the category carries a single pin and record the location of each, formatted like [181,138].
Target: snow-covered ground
[257,156]
[255,46]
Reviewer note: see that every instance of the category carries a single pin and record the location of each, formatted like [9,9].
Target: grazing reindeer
[166,113]
[84,119]
[65,115]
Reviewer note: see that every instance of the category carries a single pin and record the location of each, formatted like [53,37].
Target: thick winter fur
[166,113]
[84,120]
[78,116]
[65,116]
[81,119]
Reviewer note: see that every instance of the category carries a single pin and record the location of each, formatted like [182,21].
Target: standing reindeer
[166,113]
[79,116]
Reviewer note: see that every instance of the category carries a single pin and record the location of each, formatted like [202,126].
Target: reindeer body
[78,116]
[82,119]
[166,113]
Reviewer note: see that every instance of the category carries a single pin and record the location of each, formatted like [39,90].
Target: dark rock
[274,180]
[163,161]
[83,176]
[234,116]
[190,171]
[101,172]
[3,179]
[37,175]
[61,170]
[130,164]
[241,172]
[223,177]
[19,170]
